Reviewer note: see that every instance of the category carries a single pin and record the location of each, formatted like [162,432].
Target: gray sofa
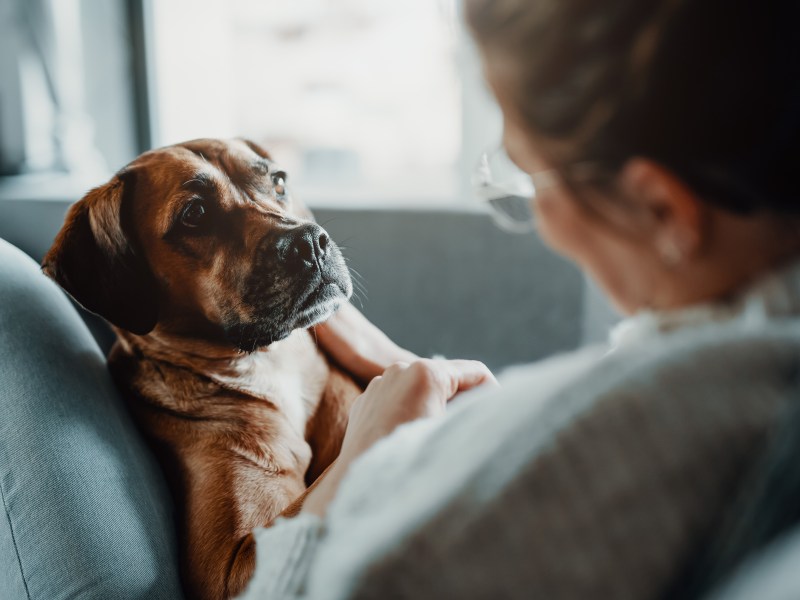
[86,514]
[437,281]
[85,511]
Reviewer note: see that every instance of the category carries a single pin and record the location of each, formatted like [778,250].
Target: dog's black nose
[308,245]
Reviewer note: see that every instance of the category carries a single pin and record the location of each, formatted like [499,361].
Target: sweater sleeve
[284,552]
[604,493]
[601,491]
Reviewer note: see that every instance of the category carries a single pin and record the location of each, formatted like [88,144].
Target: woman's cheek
[559,225]
[619,265]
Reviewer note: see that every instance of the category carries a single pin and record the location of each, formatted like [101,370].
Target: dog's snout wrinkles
[308,246]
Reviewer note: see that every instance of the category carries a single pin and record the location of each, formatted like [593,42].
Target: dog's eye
[279,184]
[193,214]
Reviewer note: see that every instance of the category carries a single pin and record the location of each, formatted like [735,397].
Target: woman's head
[687,112]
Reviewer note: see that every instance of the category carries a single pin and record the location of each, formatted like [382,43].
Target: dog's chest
[290,374]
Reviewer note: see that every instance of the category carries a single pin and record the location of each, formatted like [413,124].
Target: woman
[661,137]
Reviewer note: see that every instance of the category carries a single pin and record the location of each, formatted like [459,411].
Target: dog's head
[203,240]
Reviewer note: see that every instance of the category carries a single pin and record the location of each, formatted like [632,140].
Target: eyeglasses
[508,190]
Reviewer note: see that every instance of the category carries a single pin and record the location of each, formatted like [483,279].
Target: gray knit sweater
[596,474]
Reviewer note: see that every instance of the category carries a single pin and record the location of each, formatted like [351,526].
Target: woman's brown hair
[708,88]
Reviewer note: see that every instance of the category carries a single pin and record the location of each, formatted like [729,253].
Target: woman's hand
[405,392]
[357,345]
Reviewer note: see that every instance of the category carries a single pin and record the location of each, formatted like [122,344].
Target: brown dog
[211,275]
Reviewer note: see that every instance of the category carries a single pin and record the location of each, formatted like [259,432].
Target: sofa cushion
[771,574]
[84,511]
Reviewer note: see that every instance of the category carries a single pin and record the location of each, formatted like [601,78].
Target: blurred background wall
[376,108]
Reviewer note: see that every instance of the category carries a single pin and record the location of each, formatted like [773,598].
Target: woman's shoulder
[693,384]
[711,357]
[709,377]
[719,355]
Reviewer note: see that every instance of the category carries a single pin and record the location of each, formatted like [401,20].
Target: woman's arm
[603,491]
[357,345]
[405,392]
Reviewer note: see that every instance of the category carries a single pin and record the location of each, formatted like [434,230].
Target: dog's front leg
[229,494]
[326,428]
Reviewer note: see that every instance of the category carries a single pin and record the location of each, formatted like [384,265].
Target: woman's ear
[672,211]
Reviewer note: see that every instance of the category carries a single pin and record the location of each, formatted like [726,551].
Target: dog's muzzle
[314,261]
[305,248]
[299,278]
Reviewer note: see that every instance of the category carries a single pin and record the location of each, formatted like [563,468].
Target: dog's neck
[290,374]
[204,356]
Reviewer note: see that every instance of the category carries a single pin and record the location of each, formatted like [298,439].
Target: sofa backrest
[437,281]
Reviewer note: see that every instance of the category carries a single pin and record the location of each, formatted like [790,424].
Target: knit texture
[598,474]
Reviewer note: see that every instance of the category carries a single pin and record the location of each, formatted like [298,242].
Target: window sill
[60,187]
[46,187]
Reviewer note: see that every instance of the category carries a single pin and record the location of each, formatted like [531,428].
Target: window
[67,105]
[365,102]
[361,100]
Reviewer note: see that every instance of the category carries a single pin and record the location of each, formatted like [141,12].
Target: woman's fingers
[406,392]
[361,348]
[443,378]
[471,374]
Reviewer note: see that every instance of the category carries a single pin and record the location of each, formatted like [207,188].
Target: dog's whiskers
[344,241]
[328,221]
[356,275]
[359,289]
[361,296]
[359,285]
[354,272]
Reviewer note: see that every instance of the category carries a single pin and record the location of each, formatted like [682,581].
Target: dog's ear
[256,148]
[93,259]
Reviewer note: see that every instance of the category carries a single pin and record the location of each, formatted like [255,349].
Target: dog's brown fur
[240,431]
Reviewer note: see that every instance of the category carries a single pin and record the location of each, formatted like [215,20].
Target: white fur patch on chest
[291,374]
